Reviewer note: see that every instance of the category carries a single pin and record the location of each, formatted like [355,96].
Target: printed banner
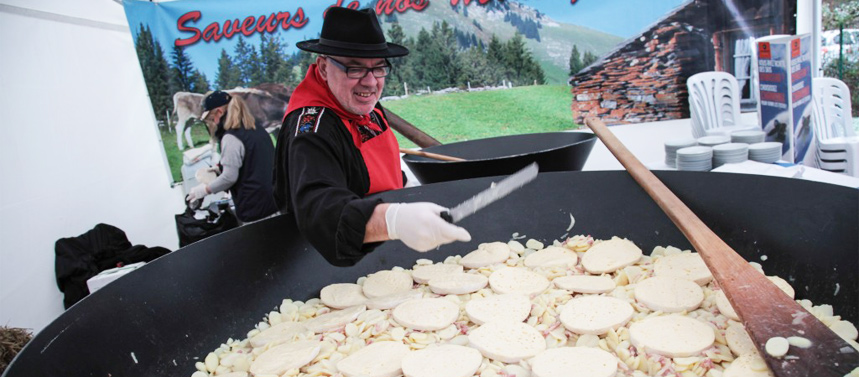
[626,60]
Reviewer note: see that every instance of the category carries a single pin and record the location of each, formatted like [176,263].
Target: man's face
[356,95]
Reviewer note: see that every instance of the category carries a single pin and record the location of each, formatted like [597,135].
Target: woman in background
[247,158]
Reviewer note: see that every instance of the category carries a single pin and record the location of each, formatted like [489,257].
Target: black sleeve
[326,174]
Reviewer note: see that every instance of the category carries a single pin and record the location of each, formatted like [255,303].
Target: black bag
[218,219]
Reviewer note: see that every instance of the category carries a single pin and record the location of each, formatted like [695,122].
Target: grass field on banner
[174,155]
[453,117]
[477,115]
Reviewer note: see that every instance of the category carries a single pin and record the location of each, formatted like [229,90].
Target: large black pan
[503,155]
[161,319]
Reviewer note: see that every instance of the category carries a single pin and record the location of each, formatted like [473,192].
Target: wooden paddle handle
[765,310]
[434,156]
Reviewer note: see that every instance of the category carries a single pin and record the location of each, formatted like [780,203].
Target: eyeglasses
[361,72]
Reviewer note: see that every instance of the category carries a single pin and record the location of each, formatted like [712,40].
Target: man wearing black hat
[335,148]
[247,157]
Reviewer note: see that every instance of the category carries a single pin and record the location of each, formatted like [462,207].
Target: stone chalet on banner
[644,78]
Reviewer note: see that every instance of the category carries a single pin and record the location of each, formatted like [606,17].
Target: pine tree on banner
[445,40]
[155,72]
[588,59]
[274,67]
[228,75]
[199,82]
[519,61]
[575,61]
[495,57]
[183,69]
[426,74]
[534,74]
[399,72]
[247,59]
[475,68]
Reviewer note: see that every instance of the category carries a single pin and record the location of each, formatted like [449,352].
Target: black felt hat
[352,33]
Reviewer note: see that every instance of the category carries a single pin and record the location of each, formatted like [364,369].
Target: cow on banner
[267,103]
[186,107]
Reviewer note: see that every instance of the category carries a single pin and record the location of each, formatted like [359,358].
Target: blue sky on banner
[623,18]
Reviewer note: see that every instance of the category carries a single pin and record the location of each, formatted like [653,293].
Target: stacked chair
[837,146]
[714,104]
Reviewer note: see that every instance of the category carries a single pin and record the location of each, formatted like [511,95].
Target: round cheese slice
[595,314]
[486,254]
[505,307]
[279,359]
[783,285]
[387,282]
[343,295]
[739,340]
[669,294]
[551,256]
[379,359]
[334,320]
[457,283]
[672,335]
[585,283]
[507,341]
[427,314]
[447,360]
[687,266]
[574,361]
[518,280]
[423,274]
[280,333]
[609,256]
[391,301]
[777,346]
[725,307]
[748,366]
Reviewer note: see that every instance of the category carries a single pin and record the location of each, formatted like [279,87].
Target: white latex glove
[197,192]
[420,227]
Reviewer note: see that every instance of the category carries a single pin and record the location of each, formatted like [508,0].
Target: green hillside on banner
[549,41]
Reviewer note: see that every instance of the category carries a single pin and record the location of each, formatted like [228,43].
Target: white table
[647,142]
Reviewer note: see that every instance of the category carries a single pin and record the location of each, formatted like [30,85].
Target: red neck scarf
[314,91]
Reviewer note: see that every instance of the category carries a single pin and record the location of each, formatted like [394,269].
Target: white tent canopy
[81,146]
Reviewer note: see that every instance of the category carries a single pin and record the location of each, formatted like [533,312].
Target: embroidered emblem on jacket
[309,120]
[368,132]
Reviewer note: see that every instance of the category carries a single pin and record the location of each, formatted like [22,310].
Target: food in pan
[510,309]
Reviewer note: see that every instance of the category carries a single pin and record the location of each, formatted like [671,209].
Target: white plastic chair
[714,104]
[837,147]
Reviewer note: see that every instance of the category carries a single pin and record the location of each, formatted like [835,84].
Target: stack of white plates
[767,152]
[695,158]
[748,136]
[730,153]
[709,141]
[672,146]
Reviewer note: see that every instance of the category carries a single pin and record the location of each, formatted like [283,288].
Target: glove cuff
[391,219]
